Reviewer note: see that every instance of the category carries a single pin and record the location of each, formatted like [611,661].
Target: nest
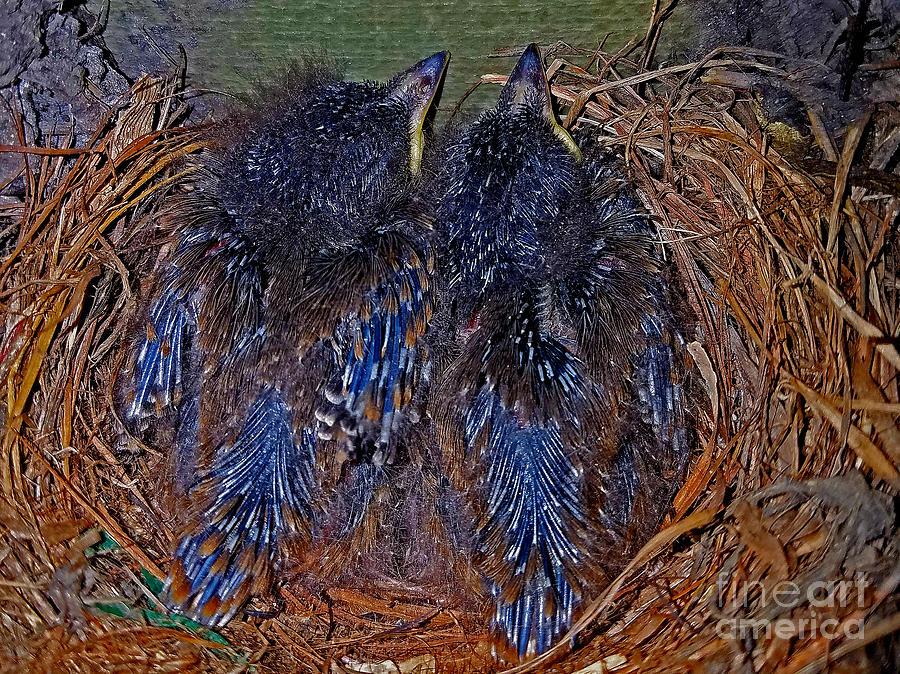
[781,549]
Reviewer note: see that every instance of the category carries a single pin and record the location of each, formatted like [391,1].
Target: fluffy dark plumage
[559,408]
[284,336]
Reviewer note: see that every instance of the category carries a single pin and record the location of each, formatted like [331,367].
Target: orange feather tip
[211,544]
[371,411]
[179,586]
[503,650]
[247,560]
[406,292]
[390,303]
[210,608]
[424,280]
[411,335]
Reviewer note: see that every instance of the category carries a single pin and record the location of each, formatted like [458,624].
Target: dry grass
[791,272]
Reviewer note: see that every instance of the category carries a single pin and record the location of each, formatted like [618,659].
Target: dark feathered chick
[285,332]
[559,406]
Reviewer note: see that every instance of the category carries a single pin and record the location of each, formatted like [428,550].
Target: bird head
[335,148]
[527,93]
[505,176]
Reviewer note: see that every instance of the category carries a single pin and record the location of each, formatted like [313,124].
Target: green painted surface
[232,42]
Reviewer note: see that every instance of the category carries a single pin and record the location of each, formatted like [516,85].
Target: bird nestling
[283,339]
[558,401]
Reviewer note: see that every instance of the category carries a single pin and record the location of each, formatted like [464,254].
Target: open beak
[418,86]
[527,84]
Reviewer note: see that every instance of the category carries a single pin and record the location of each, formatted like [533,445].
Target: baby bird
[558,410]
[284,335]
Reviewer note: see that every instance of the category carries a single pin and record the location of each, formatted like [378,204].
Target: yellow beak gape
[566,138]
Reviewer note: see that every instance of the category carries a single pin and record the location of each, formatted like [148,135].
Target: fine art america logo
[824,598]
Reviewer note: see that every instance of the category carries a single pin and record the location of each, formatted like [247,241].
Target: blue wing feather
[658,388]
[652,464]
[260,491]
[379,374]
[158,368]
[535,521]
[214,277]
[522,428]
